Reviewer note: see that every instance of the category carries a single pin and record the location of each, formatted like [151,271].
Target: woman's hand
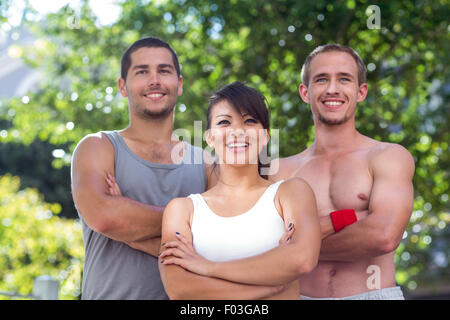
[113,187]
[287,235]
[181,252]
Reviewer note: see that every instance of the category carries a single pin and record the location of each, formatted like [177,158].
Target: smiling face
[333,89]
[152,84]
[237,137]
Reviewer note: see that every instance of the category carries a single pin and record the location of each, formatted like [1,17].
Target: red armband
[342,218]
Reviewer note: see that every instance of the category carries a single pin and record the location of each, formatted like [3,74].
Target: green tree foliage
[34,241]
[264,44]
[33,163]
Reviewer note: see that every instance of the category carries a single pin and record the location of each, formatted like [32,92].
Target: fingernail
[162,261]
[291,228]
[288,239]
[177,232]
[163,244]
[290,224]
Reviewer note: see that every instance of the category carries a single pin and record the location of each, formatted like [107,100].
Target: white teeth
[333,103]
[154,95]
[237,145]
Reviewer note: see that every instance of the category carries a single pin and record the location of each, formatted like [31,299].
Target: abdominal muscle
[332,279]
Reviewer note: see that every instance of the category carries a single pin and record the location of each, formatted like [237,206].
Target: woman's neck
[236,179]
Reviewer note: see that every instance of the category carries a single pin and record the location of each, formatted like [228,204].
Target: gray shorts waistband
[394,293]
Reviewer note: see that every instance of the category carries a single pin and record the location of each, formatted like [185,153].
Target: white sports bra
[256,231]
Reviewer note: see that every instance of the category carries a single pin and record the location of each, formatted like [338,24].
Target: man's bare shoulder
[383,149]
[285,168]
[93,142]
[390,156]
[93,151]
[98,139]
[388,149]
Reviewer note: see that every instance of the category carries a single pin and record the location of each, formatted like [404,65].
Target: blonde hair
[334,47]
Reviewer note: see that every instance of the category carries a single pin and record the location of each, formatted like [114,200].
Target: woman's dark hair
[148,42]
[244,100]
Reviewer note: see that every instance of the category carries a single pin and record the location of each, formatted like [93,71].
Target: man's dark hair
[329,48]
[148,42]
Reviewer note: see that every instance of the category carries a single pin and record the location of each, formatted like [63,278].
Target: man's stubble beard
[152,115]
[144,113]
[332,122]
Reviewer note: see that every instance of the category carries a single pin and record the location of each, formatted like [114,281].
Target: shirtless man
[348,170]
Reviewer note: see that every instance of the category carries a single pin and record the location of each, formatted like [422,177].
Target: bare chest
[343,182]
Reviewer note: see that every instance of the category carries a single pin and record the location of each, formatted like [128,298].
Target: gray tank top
[113,270]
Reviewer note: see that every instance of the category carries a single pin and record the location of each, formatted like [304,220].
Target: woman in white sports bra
[229,240]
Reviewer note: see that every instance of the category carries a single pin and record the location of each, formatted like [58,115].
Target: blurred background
[59,65]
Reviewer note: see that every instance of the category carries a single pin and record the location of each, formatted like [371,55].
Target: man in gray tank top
[122,233]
